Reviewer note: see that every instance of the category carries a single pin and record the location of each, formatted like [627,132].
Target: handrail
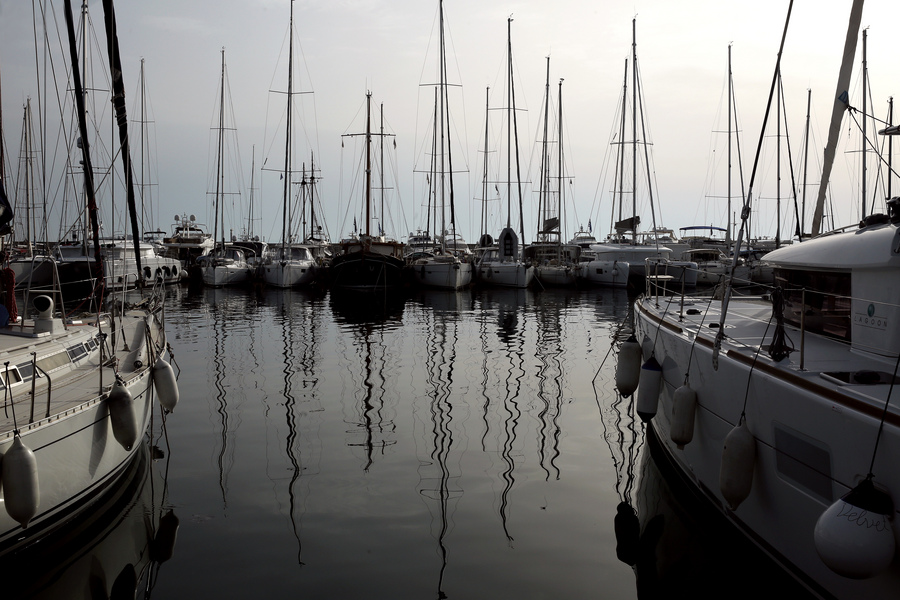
[35,367]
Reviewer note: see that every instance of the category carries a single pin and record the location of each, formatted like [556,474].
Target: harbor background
[440,445]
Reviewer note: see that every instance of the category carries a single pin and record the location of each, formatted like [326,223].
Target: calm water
[458,445]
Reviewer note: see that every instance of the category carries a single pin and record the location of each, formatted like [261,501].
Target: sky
[347,48]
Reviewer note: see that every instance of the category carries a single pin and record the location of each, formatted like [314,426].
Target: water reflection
[115,553]
[687,548]
[298,319]
[438,485]
[368,318]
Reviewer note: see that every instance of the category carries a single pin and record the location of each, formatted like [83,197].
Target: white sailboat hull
[506,274]
[75,448]
[604,273]
[288,274]
[814,434]
[446,273]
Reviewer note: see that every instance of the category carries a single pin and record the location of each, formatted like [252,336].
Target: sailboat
[226,264]
[782,410]
[286,264]
[555,263]
[447,264]
[368,262]
[78,387]
[618,248]
[502,264]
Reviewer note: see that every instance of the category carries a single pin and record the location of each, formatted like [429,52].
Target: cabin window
[77,351]
[826,304]
[26,371]
[54,361]
[12,373]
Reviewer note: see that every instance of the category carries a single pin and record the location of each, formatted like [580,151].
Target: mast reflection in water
[449,444]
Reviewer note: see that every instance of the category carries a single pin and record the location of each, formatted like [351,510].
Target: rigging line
[887,402]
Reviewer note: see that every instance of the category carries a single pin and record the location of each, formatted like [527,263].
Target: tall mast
[634,100]
[620,156]
[841,102]
[368,160]
[220,168]
[509,94]
[865,118]
[484,194]
[85,147]
[543,196]
[115,69]
[560,174]
[778,103]
[805,164]
[730,83]
[286,196]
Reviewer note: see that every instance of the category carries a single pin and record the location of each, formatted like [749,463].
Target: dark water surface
[441,445]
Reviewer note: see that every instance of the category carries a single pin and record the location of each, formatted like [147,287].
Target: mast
[865,118]
[220,168]
[85,149]
[730,89]
[381,169]
[634,101]
[620,155]
[544,191]
[805,164]
[778,103]
[368,160]
[445,130]
[487,110]
[560,174]
[509,94]
[841,102]
[890,121]
[286,198]
[252,173]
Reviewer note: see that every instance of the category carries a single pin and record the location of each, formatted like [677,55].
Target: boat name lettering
[859,516]
[871,321]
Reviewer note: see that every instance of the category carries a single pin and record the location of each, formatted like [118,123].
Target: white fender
[166,384]
[738,464]
[648,389]
[628,368]
[122,415]
[853,536]
[684,405]
[21,491]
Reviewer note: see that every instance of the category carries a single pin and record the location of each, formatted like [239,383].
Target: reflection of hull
[366,270]
[678,549]
[76,428]
[109,553]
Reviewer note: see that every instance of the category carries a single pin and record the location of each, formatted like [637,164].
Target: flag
[354,224]
[589,225]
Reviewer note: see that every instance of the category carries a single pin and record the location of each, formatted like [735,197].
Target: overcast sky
[349,47]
